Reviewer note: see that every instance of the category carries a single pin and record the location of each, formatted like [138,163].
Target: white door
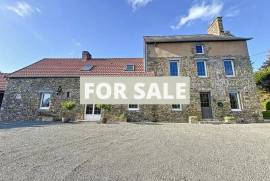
[92,113]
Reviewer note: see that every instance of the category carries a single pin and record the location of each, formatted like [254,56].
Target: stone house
[218,64]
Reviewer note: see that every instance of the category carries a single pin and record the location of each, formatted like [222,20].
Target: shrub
[267,106]
[229,119]
[68,105]
[106,107]
[266,114]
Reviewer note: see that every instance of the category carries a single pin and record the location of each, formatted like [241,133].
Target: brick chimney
[86,56]
[216,27]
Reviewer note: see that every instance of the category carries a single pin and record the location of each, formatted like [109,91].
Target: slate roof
[3,82]
[192,38]
[66,67]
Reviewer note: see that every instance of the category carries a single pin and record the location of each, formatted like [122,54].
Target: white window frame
[229,60]
[202,50]
[177,109]
[134,109]
[238,101]
[205,68]
[178,66]
[132,66]
[41,100]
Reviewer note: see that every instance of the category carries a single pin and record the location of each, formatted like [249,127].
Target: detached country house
[218,64]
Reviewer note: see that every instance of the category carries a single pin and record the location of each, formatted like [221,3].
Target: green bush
[229,119]
[266,114]
[68,105]
[106,107]
[267,106]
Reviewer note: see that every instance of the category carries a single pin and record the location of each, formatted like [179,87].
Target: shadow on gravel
[146,123]
[20,124]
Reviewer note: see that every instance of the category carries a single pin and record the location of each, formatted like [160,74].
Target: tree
[266,63]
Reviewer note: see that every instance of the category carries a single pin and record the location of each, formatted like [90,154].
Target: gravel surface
[128,151]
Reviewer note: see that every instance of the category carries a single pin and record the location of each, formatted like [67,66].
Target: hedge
[266,114]
[267,106]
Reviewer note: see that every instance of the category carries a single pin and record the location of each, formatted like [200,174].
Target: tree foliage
[267,61]
[261,75]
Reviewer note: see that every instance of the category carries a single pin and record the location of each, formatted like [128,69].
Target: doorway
[206,107]
[92,112]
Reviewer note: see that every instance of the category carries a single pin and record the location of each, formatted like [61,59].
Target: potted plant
[193,119]
[105,108]
[229,119]
[67,108]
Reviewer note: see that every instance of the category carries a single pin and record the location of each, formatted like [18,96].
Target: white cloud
[232,12]
[138,3]
[200,11]
[22,9]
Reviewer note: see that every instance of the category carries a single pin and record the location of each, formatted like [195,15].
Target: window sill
[176,110]
[202,76]
[44,109]
[133,110]
[236,110]
[230,76]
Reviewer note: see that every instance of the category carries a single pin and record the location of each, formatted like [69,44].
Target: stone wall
[216,82]
[22,98]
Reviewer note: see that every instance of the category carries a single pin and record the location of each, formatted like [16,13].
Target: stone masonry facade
[23,94]
[216,82]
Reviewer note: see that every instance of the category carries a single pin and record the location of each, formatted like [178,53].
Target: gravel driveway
[127,151]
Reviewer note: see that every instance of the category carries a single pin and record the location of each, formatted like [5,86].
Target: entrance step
[211,121]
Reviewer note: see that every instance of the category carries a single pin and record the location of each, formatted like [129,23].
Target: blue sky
[34,29]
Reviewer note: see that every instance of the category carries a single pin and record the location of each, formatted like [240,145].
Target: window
[201,68]
[45,101]
[229,68]
[130,67]
[68,94]
[174,69]
[235,101]
[133,107]
[176,107]
[199,49]
[87,67]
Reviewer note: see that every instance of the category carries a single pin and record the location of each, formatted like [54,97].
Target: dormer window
[130,67]
[87,67]
[199,49]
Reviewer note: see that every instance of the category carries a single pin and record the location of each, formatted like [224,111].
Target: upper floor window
[235,101]
[133,107]
[201,68]
[199,49]
[174,68]
[229,68]
[130,67]
[176,107]
[45,101]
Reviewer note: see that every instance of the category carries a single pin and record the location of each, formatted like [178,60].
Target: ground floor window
[45,101]
[176,107]
[235,101]
[133,107]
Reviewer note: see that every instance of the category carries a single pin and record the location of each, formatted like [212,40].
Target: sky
[34,29]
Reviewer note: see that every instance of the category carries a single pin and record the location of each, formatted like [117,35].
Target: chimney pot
[86,56]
